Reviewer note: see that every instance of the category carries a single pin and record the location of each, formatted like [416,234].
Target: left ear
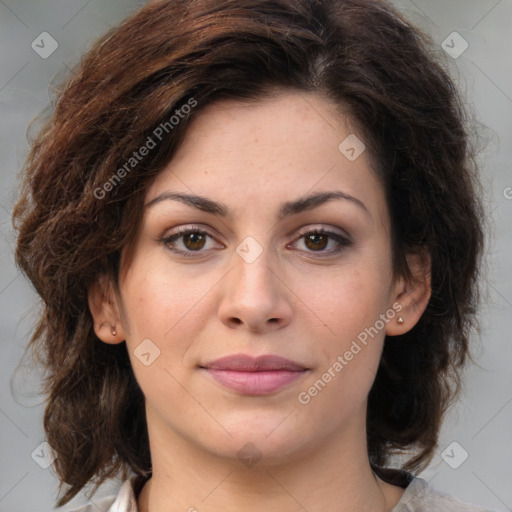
[412,294]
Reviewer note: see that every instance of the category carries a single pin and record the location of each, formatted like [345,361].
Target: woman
[256,232]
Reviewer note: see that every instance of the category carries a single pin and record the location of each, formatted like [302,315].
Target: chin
[265,440]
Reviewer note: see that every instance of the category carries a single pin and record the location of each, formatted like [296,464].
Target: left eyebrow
[295,207]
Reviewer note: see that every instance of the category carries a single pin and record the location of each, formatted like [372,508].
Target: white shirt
[419,496]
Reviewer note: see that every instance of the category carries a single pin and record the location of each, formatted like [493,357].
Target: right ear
[105,311]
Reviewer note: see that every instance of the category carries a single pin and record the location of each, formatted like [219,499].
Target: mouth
[255,376]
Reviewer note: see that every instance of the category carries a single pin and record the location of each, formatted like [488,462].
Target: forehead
[258,153]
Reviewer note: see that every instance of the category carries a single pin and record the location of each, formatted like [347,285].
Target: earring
[114,332]
[400,320]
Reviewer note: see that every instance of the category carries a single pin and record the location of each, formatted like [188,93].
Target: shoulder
[123,501]
[419,496]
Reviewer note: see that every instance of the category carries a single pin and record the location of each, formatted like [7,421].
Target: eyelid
[324,228]
[303,231]
[185,228]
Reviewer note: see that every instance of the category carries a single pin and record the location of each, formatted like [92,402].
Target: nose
[255,296]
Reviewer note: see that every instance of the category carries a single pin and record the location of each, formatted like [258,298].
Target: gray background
[480,423]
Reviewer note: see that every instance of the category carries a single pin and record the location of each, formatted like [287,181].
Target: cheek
[345,300]
[158,296]
[349,349]
[165,308]
[347,303]
[169,308]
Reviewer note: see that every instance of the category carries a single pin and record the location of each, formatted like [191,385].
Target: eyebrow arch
[289,208]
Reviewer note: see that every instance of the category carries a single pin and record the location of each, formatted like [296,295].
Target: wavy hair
[71,227]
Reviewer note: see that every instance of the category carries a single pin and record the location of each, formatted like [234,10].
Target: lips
[254,376]
[244,363]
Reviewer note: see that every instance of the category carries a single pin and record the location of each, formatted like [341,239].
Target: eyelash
[343,241]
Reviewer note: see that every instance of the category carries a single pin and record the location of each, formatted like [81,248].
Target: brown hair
[360,54]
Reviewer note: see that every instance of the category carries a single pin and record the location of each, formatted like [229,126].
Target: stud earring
[400,320]
[114,332]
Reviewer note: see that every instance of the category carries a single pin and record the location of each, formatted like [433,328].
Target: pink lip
[254,376]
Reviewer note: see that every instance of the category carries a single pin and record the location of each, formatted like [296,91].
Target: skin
[291,301]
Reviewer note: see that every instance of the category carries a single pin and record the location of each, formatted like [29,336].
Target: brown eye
[322,242]
[189,242]
[194,241]
[316,241]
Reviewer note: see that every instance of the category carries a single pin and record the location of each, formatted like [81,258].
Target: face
[246,267]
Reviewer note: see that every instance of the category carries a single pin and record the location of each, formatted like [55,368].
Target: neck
[335,475]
